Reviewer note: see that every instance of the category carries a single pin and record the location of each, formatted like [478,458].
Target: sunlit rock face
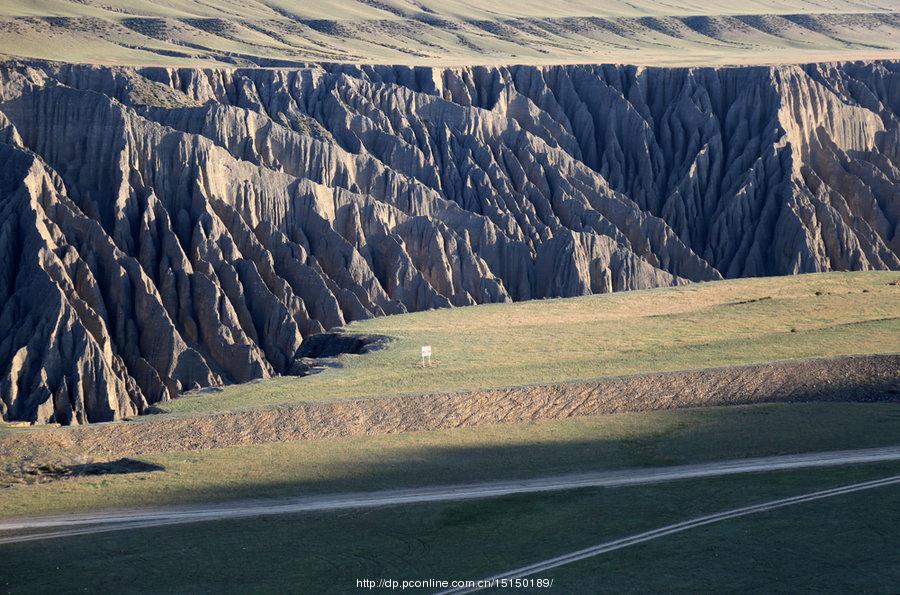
[168,229]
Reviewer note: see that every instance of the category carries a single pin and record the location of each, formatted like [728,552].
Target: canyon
[164,229]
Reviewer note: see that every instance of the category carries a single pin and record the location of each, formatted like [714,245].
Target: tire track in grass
[624,542]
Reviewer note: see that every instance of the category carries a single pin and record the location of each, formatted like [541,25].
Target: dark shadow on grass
[688,436]
[51,471]
[117,467]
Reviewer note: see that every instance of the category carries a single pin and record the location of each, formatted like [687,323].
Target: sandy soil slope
[869,378]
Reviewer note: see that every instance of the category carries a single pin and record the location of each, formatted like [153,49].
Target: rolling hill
[281,33]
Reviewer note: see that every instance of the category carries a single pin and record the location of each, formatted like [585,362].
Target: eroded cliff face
[168,229]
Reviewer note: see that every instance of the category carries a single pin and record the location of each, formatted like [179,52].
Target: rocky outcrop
[171,229]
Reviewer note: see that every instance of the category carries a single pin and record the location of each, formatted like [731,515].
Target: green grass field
[716,324]
[696,326]
[470,454]
[846,544]
[326,553]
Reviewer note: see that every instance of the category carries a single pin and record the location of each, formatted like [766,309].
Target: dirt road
[31,529]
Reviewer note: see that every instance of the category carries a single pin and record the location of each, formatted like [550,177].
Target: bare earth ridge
[857,378]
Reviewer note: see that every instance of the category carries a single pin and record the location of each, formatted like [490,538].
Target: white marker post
[426,355]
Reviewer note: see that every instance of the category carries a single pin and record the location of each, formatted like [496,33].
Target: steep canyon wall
[164,229]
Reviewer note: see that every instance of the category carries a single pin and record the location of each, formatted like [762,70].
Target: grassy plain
[696,326]
[735,322]
[809,547]
[469,455]
[845,544]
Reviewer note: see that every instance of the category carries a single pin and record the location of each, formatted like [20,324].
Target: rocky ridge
[168,229]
